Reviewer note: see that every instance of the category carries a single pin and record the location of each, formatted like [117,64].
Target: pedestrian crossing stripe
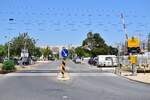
[56,74]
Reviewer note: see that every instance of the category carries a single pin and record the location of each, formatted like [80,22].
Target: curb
[134,80]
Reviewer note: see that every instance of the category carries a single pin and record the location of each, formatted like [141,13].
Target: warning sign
[133,42]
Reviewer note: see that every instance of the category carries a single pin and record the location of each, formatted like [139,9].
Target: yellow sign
[133,59]
[133,42]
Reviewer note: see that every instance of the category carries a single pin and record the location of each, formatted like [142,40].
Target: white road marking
[56,74]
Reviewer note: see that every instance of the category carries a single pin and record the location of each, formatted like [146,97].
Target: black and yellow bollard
[63,68]
[63,75]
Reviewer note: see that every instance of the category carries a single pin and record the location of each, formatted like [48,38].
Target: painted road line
[56,74]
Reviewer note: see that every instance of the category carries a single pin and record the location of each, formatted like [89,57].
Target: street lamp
[8,53]
[8,49]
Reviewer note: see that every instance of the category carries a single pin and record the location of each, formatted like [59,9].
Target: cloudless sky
[58,22]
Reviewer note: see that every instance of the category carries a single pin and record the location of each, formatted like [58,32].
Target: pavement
[102,85]
[140,77]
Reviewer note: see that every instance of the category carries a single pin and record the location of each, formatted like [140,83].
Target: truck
[107,61]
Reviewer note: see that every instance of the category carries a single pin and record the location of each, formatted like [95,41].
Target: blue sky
[57,22]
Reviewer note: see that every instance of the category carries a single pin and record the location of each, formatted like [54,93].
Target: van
[107,61]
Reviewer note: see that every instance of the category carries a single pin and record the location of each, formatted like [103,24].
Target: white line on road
[56,74]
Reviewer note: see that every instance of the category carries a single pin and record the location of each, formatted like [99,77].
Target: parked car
[93,61]
[107,61]
[90,61]
[51,58]
[77,60]
[25,60]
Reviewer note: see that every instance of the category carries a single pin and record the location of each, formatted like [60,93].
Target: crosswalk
[56,72]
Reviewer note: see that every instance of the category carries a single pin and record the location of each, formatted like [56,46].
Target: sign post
[64,54]
[133,49]
[133,60]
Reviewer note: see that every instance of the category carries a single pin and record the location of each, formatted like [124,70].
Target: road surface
[86,83]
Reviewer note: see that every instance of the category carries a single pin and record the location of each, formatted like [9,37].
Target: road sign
[133,42]
[64,53]
[133,45]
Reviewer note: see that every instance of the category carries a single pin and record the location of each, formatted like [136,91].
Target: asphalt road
[102,86]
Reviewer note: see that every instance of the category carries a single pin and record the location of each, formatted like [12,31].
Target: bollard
[63,68]
[63,75]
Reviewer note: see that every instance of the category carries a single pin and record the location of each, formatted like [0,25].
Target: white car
[78,60]
[107,61]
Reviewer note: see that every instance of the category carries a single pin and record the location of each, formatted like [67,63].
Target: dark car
[51,58]
[93,61]
[25,61]
[90,61]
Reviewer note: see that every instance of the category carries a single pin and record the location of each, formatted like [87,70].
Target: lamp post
[8,48]
[8,53]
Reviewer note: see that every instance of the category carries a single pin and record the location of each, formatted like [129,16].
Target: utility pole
[125,31]
[124,26]
[8,48]
[10,20]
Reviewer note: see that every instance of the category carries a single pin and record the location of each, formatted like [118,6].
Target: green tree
[71,53]
[37,52]
[21,41]
[2,51]
[113,51]
[46,52]
[82,52]
[79,51]
[100,51]
[98,40]
[95,45]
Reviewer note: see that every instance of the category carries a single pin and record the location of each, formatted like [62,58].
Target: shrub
[8,66]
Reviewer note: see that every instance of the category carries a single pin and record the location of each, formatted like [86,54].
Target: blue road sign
[64,53]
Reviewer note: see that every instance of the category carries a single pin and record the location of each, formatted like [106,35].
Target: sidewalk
[140,77]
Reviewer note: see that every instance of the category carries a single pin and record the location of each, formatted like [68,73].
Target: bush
[8,66]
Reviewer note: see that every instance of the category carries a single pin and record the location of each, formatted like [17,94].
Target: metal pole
[10,19]
[8,50]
